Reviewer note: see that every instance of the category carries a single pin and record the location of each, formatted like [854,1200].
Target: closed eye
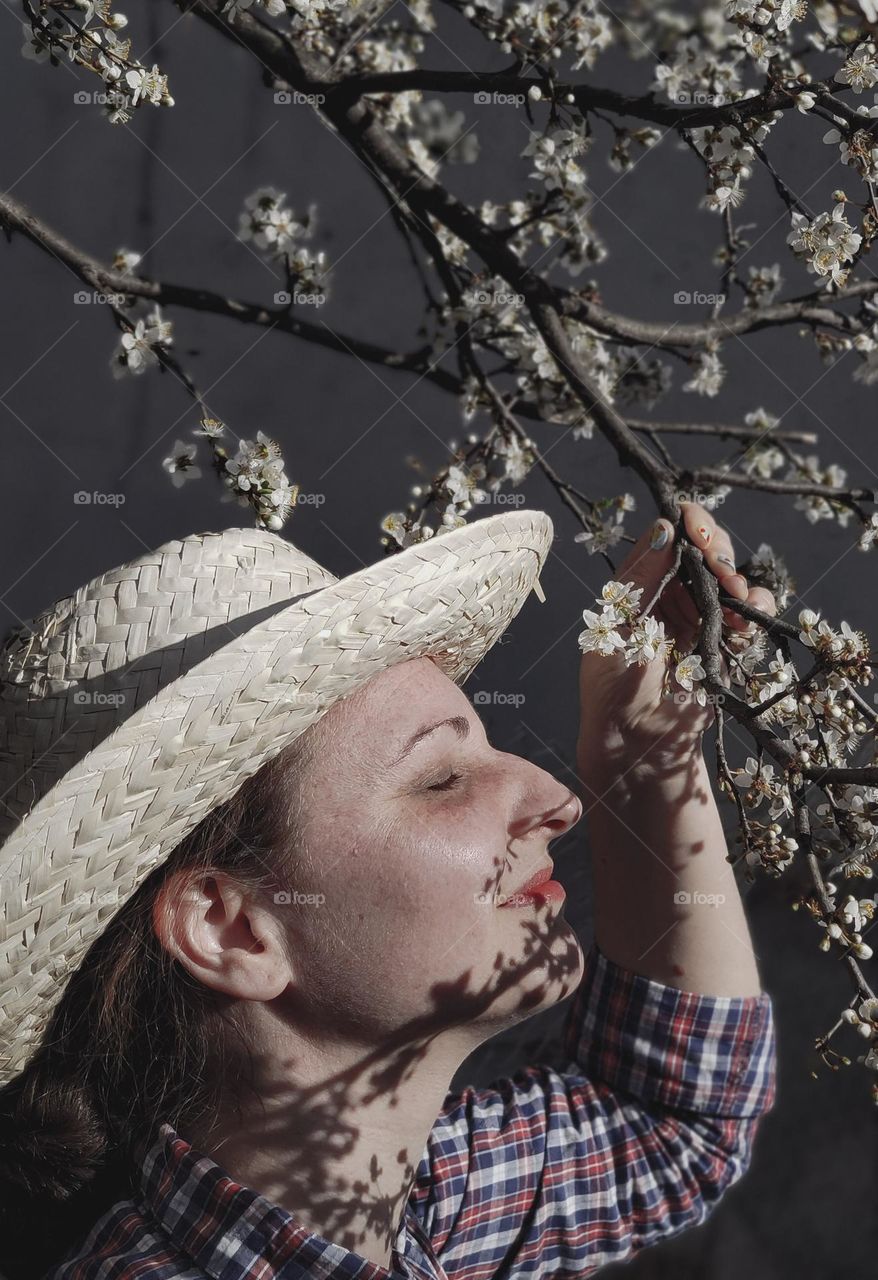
[446,784]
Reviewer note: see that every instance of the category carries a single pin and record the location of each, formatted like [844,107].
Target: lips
[539,877]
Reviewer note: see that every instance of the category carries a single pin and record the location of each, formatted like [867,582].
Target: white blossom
[709,376]
[255,477]
[125,260]
[99,49]
[181,463]
[600,634]
[763,284]
[789,11]
[869,534]
[138,349]
[826,242]
[689,669]
[622,594]
[860,70]
[270,223]
[647,642]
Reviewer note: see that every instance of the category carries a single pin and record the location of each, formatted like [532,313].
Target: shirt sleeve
[558,1173]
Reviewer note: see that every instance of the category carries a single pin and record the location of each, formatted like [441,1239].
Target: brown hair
[135,1040]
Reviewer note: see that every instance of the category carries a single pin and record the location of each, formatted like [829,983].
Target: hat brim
[87,845]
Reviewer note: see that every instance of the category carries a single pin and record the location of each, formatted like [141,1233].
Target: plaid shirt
[544,1173]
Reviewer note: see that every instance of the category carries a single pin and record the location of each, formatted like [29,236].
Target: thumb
[650,558]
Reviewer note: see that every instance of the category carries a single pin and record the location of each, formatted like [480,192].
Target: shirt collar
[225,1227]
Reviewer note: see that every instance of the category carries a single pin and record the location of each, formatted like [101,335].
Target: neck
[338,1148]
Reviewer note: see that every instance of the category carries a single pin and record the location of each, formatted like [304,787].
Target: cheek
[437,865]
[418,879]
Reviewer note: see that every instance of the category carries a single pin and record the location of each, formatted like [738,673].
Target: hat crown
[82,666]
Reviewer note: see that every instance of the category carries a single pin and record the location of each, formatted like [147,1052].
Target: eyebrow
[459,724]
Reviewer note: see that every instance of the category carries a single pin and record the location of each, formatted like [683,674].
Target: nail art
[705,532]
[659,537]
[726,560]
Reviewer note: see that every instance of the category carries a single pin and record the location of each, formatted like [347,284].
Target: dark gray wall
[173,182]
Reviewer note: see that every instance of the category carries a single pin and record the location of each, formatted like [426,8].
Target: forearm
[666,900]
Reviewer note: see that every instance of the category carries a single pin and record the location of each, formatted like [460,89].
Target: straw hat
[132,707]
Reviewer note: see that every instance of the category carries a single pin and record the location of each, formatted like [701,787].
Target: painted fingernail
[726,560]
[705,532]
[660,535]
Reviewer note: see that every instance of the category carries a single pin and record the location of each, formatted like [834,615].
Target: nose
[539,799]
[547,810]
[566,815]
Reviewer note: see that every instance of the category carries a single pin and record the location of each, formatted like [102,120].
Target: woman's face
[410,842]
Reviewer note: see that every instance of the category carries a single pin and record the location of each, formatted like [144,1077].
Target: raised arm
[666,899]
[558,1173]
[670,1038]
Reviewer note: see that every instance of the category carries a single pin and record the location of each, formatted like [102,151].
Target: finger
[733,621]
[649,559]
[761,598]
[720,556]
[699,524]
[735,584]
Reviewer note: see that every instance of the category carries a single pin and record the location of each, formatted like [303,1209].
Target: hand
[625,721]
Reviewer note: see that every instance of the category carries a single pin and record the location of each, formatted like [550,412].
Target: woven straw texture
[129,709]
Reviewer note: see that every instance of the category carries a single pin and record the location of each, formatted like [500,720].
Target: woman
[246,1070]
